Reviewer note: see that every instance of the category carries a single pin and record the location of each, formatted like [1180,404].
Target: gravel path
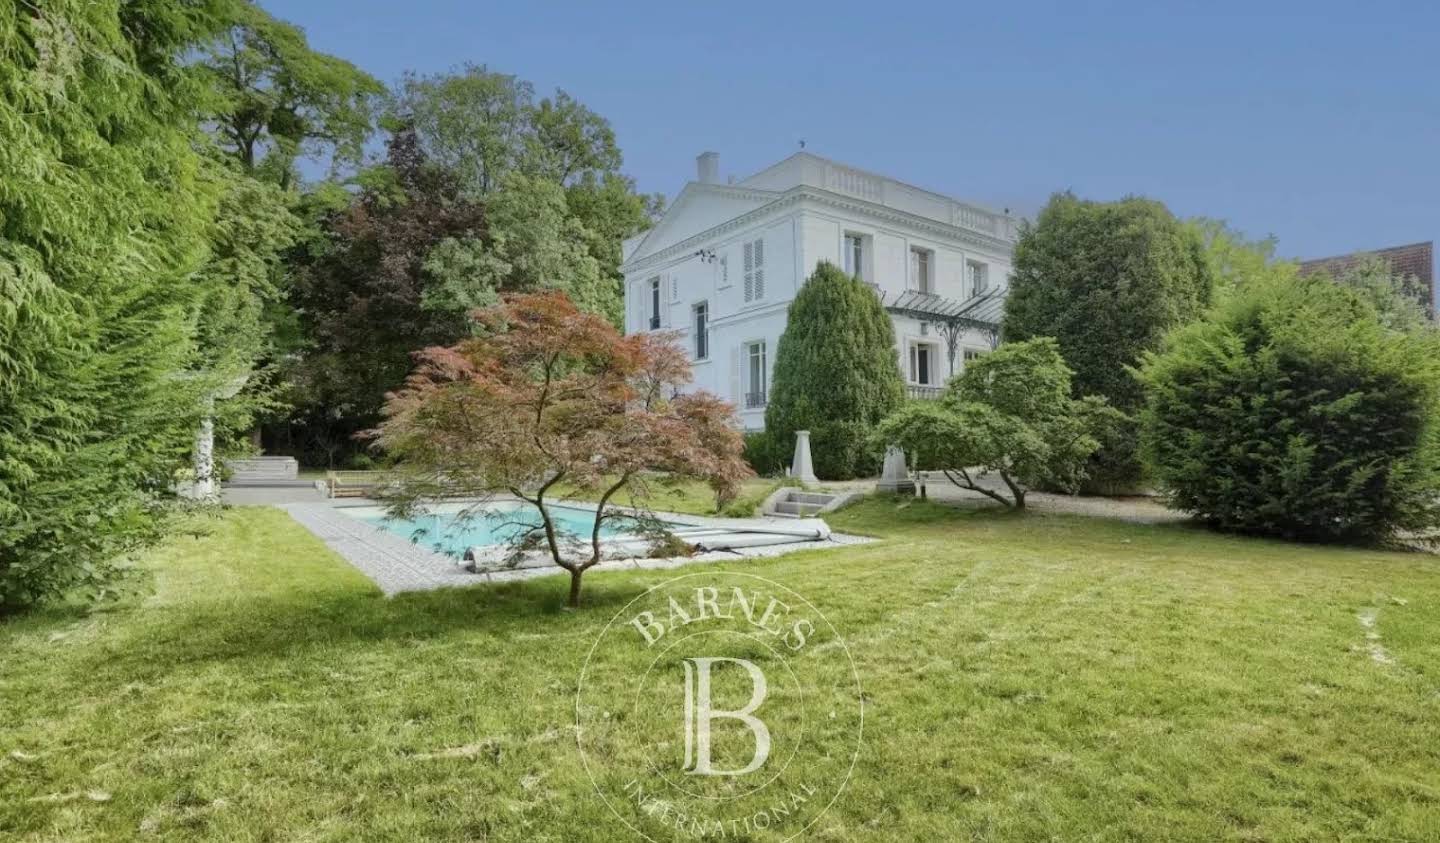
[1139,509]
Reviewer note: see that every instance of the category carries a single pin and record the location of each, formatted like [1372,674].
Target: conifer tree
[836,374]
[104,215]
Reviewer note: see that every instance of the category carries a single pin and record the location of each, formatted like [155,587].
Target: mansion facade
[723,263]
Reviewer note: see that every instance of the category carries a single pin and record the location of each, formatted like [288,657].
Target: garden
[1026,677]
[1259,663]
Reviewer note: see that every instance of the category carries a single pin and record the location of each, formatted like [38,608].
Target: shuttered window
[754,265]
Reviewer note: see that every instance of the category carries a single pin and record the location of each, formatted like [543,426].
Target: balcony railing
[924,393]
[754,400]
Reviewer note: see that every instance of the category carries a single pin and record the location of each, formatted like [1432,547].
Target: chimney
[707,167]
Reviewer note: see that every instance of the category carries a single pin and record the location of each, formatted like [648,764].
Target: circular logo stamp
[719,705]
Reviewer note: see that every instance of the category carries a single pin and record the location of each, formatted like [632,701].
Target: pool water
[446,531]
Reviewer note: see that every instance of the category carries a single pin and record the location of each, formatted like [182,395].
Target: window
[655,303]
[701,314]
[974,354]
[756,374]
[922,263]
[854,256]
[977,277]
[754,270]
[922,364]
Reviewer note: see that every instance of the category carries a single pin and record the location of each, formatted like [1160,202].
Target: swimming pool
[445,530]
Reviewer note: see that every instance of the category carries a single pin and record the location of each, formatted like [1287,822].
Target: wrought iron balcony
[754,400]
[924,393]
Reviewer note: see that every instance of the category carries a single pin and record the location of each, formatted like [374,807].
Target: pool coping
[397,565]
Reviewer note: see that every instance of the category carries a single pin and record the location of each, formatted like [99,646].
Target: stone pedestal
[893,476]
[204,461]
[802,468]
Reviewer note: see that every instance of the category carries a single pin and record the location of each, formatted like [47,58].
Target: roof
[791,176]
[981,311]
[1415,259]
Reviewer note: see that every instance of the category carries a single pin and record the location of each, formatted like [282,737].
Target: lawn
[692,497]
[1026,678]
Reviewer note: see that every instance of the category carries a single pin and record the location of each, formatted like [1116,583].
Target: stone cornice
[806,193]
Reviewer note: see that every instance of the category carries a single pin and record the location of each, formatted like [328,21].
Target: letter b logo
[699,714]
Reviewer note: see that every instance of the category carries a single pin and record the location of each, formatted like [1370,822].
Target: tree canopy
[483,127]
[836,374]
[105,211]
[275,100]
[1107,280]
[1010,413]
[1296,409]
[361,290]
[547,394]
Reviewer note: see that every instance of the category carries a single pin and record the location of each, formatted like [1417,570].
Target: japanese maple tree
[543,397]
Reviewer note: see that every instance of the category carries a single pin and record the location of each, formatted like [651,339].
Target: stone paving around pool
[397,565]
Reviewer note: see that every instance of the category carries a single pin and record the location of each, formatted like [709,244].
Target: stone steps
[263,470]
[798,503]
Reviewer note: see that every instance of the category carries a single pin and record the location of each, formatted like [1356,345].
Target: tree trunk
[574,602]
[1015,489]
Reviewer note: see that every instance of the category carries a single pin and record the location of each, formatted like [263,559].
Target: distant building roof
[1415,259]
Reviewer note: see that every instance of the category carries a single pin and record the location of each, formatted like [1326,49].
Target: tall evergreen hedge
[1107,280]
[836,374]
[1294,411]
[104,211]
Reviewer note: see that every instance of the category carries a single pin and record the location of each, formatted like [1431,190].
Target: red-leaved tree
[546,395]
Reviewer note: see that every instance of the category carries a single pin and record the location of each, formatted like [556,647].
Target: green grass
[691,497]
[1026,678]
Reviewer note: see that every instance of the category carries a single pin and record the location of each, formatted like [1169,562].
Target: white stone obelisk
[894,477]
[802,468]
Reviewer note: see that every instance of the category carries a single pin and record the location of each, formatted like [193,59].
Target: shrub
[764,454]
[667,545]
[106,206]
[1107,280]
[744,506]
[1010,413]
[836,374]
[1293,411]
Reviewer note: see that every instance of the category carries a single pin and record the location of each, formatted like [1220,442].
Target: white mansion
[723,263]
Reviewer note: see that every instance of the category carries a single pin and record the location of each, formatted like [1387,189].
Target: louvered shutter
[759,269]
[735,377]
[749,271]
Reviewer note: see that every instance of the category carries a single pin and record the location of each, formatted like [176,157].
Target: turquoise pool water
[447,532]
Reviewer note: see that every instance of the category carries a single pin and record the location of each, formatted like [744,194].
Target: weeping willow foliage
[105,220]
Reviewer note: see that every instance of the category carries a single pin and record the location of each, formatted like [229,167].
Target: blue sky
[1318,122]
